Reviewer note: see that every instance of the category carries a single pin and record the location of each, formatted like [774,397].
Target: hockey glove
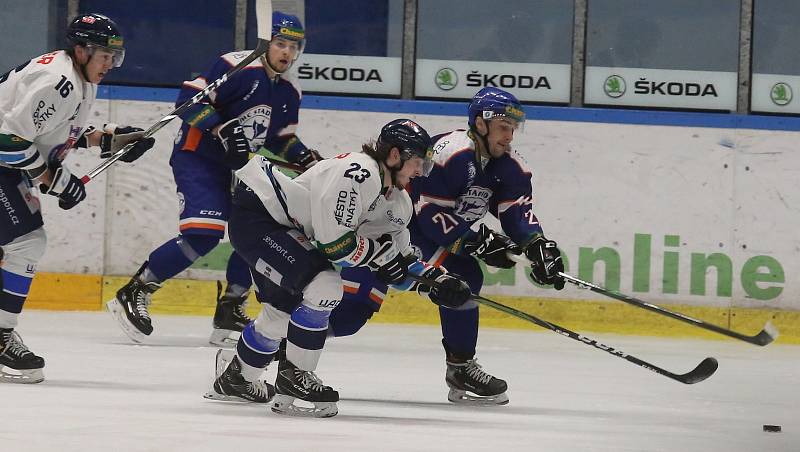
[235,143]
[115,138]
[66,187]
[308,158]
[491,247]
[449,291]
[390,267]
[546,262]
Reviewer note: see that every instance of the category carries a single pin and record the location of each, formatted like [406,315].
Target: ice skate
[470,385]
[231,386]
[130,307]
[17,363]
[296,384]
[229,318]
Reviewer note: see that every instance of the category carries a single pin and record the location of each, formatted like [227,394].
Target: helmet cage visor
[427,160]
[117,54]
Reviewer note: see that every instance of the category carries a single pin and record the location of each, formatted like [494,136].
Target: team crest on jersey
[255,123]
[473,204]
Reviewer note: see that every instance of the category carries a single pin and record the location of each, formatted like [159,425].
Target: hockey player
[44,106]
[257,107]
[476,172]
[350,211]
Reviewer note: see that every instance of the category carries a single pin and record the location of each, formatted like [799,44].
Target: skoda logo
[614,86]
[781,94]
[446,79]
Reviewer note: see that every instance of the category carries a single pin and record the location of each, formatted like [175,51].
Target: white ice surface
[103,394]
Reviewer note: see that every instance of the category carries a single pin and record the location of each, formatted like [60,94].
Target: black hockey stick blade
[705,369]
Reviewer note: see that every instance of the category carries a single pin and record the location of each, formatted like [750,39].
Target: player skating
[257,107]
[476,173]
[44,107]
[349,211]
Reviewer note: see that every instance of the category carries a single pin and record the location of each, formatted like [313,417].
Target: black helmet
[96,30]
[411,139]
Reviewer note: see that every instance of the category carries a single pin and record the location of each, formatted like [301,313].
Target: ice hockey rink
[103,393]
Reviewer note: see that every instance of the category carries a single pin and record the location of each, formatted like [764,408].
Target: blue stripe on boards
[541,113]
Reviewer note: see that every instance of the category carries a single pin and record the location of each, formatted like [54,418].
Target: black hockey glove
[115,138]
[236,144]
[449,291]
[308,158]
[491,247]
[66,187]
[389,270]
[546,262]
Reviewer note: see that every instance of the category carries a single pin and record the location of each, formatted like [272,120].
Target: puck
[772,428]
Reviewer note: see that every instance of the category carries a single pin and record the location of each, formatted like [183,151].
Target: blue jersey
[267,109]
[461,189]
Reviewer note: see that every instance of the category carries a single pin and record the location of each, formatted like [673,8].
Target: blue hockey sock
[348,317]
[460,331]
[254,349]
[177,255]
[238,272]
[12,296]
[308,328]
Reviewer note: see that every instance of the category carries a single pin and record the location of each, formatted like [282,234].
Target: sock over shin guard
[178,254]
[460,330]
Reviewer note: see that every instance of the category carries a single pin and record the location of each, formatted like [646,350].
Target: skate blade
[460,397]
[214,395]
[224,338]
[25,376]
[284,405]
[118,312]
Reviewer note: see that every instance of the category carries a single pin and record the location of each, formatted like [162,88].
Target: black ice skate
[130,306]
[466,375]
[17,363]
[231,386]
[229,318]
[293,383]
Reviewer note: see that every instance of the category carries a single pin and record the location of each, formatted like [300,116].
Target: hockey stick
[705,369]
[768,334]
[264,23]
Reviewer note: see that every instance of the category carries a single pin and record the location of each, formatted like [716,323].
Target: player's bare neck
[271,74]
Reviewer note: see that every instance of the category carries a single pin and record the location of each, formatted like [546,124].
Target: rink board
[67,292]
[696,212]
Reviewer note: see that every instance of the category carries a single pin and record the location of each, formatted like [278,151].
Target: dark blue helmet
[411,139]
[491,103]
[289,27]
[97,30]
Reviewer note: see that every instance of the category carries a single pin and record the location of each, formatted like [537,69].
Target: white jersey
[340,203]
[45,102]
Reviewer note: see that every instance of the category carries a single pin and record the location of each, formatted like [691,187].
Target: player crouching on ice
[44,106]
[349,211]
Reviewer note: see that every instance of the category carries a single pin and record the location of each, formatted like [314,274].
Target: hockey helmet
[289,27]
[494,103]
[98,31]
[411,139]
